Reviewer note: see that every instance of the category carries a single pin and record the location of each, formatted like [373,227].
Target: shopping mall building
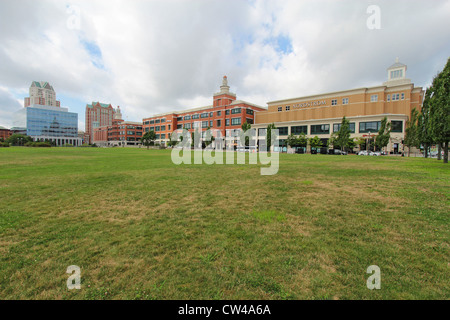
[321,115]
[317,115]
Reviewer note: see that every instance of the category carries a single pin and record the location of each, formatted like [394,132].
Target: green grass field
[140,227]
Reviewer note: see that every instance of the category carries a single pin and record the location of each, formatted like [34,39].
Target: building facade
[43,119]
[120,133]
[225,114]
[5,133]
[41,93]
[99,115]
[321,115]
[54,124]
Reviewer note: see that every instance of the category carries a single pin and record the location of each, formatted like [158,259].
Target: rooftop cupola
[397,74]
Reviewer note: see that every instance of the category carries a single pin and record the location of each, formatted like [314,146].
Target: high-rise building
[41,93]
[42,117]
[99,115]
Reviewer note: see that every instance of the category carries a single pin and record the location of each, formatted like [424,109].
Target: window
[219,113]
[157,128]
[219,123]
[288,108]
[334,102]
[163,136]
[227,112]
[235,121]
[248,120]
[299,130]
[403,96]
[169,127]
[396,126]
[146,122]
[187,125]
[396,74]
[152,128]
[374,98]
[235,110]
[187,117]
[211,114]
[146,129]
[163,120]
[337,127]
[227,122]
[179,126]
[179,118]
[163,128]
[249,111]
[345,101]
[283,131]
[320,129]
[204,124]
[195,116]
[157,136]
[157,121]
[372,126]
[204,115]
[388,97]
[280,109]
[396,97]
[152,121]
[210,123]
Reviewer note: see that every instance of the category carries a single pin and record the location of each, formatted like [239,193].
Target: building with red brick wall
[120,133]
[225,114]
[5,133]
[99,115]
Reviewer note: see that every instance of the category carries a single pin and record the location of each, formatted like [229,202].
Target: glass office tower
[54,124]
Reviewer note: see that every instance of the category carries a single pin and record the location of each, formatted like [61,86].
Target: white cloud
[158,56]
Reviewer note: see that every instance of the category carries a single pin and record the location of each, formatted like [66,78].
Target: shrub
[4,144]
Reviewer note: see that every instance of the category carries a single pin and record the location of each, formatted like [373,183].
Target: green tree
[245,127]
[18,139]
[292,140]
[411,132]
[315,142]
[269,135]
[384,134]
[424,123]
[440,109]
[148,138]
[343,134]
[302,140]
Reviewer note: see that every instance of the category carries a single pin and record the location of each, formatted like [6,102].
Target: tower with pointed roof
[41,93]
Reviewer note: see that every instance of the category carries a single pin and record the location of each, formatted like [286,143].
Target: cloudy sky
[157,56]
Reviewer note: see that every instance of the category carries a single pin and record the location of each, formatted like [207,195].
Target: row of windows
[155,121]
[373,98]
[364,127]
[209,114]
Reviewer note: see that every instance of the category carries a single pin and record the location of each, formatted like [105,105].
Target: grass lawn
[140,227]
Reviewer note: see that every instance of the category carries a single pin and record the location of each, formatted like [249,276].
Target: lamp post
[367,144]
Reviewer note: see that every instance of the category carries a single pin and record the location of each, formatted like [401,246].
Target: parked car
[376,153]
[363,153]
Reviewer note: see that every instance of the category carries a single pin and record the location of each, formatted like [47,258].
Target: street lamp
[367,144]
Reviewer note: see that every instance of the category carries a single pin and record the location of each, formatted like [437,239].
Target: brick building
[99,115]
[225,114]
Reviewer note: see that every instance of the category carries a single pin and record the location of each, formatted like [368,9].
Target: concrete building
[225,114]
[41,93]
[321,115]
[99,115]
